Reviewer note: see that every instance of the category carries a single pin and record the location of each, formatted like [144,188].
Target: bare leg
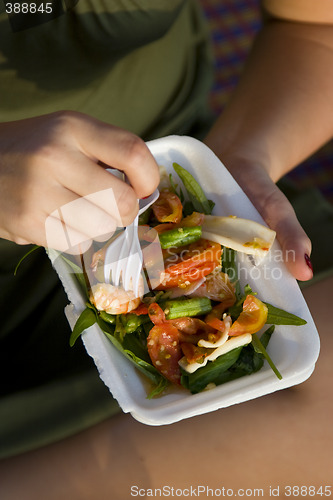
[281,439]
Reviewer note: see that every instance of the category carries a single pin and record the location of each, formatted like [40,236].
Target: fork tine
[120,264]
[131,268]
[110,264]
[124,259]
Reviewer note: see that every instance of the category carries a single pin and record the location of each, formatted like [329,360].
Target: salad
[194,326]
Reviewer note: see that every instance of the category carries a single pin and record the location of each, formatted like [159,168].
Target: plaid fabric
[233,26]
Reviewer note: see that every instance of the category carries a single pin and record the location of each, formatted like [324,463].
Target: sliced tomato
[214,318]
[140,310]
[163,344]
[161,228]
[164,350]
[193,353]
[193,263]
[195,219]
[156,314]
[168,207]
[252,318]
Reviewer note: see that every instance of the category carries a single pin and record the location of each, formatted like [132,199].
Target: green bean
[180,236]
[187,307]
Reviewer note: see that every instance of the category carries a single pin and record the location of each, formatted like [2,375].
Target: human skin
[280,113]
[52,161]
[280,440]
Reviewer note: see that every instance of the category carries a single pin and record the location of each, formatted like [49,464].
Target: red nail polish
[308,261]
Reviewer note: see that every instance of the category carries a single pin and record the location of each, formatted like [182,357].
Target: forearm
[281,111]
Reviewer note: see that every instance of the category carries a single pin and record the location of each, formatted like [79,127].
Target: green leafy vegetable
[35,247]
[278,316]
[130,346]
[229,266]
[174,189]
[212,373]
[144,217]
[259,348]
[86,319]
[194,191]
[79,274]
[128,332]
[230,366]
[159,388]
[237,308]
[143,366]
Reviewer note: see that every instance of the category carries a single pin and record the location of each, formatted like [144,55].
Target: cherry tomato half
[168,207]
[252,318]
[164,351]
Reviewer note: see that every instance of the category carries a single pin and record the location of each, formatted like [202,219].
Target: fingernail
[308,261]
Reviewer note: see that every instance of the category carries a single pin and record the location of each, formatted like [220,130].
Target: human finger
[64,238]
[280,216]
[84,177]
[116,148]
[86,216]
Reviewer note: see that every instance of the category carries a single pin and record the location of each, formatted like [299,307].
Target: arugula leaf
[35,247]
[162,385]
[278,316]
[194,191]
[129,345]
[173,188]
[137,347]
[143,366]
[229,266]
[259,348]
[78,273]
[86,319]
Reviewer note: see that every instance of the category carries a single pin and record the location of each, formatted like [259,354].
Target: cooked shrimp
[113,299]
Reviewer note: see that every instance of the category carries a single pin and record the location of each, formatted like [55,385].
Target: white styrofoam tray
[294,349]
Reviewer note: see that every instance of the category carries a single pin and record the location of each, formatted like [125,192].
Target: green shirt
[144,66]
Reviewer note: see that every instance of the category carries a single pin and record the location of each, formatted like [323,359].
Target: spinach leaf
[211,373]
[136,346]
[230,366]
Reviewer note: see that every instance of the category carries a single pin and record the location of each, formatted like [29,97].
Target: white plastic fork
[123,258]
